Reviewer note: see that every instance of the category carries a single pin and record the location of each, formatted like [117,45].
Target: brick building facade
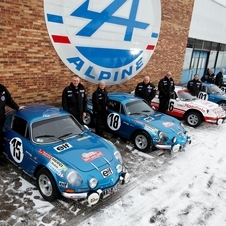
[31,69]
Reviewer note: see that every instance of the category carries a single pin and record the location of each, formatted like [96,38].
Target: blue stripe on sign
[55,18]
[154,35]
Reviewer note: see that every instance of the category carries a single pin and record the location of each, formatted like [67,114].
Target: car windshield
[139,107]
[216,89]
[54,129]
[185,96]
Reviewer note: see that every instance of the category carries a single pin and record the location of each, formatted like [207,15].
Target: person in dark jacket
[6,100]
[209,77]
[219,78]
[74,99]
[146,90]
[195,85]
[166,88]
[100,103]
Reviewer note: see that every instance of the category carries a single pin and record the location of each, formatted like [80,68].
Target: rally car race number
[16,149]
[114,121]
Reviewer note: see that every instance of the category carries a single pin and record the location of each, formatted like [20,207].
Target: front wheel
[47,185]
[87,120]
[193,118]
[143,141]
[222,104]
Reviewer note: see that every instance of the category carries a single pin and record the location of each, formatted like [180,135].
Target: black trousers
[100,122]
[1,136]
[163,105]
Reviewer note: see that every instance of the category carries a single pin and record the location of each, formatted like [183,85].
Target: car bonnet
[86,152]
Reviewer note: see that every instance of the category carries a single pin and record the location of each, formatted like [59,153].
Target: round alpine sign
[110,40]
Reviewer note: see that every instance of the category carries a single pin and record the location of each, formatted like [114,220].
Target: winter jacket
[99,100]
[6,99]
[145,91]
[166,88]
[194,86]
[219,79]
[74,99]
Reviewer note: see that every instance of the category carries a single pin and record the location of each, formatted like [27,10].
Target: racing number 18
[114,121]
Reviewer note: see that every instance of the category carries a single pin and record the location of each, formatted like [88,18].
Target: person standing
[219,78]
[166,88]
[195,85]
[5,100]
[209,77]
[100,103]
[74,99]
[146,90]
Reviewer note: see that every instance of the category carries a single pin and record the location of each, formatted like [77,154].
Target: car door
[18,145]
[117,121]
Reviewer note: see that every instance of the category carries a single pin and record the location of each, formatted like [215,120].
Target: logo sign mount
[110,40]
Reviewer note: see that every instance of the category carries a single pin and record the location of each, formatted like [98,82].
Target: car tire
[88,119]
[47,185]
[142,141]
[193,118]
[222,104]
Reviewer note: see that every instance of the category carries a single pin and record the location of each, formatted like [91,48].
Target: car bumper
[95,196]
[175,147]
[216,121]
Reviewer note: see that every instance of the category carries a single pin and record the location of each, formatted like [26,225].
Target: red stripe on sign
[150,47]
[61,39]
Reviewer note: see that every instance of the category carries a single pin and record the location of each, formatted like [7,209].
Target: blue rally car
[132,118]
[63,156]
[214,94]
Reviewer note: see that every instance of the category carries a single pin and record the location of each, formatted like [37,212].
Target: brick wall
[32,71]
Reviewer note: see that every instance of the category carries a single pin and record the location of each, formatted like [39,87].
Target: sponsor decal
[63,147]
[42,152]
[109,40]
[191,106]
[58,164]
[168,124]
[87,157]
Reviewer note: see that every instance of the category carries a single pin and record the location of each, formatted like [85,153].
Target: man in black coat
[195,85]
[74,99]
[209,77]
[166,88]
[5,100]
[100,103]
[146,90]
[219,78]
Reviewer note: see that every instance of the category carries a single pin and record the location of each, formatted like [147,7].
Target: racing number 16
[171,105]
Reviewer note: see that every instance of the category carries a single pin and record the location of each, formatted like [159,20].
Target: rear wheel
[222,104]
[193,118]
[143,141]
[47,185]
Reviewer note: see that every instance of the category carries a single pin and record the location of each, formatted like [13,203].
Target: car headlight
[93,182]
[163,136]
[118,156]
[174,140]
[119,168]
[73,177]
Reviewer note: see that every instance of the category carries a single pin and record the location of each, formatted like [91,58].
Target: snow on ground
[189,190]
[185,189]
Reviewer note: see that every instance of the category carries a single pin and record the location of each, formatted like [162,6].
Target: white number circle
[114,121]
[16,149]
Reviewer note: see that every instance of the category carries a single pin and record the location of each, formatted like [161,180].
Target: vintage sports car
[193,110]
[132,118]
[214,94]
[63,156]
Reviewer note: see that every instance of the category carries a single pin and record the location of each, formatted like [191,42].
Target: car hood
[85,152]
[201,104]
[161,122]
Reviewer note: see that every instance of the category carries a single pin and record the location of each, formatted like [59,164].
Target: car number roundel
[110,40]
[16,149]
[114,121]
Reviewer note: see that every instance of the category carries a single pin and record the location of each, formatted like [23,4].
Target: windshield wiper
[135,113]
[65,135]
[49,136]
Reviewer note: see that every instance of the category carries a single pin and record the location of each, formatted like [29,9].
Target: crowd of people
[74,98]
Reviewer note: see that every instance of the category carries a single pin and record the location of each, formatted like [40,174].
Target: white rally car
[193,110]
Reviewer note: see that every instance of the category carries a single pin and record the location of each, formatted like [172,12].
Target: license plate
[108,192]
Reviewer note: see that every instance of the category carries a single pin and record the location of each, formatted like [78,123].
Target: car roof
[122,97]
[37,112]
